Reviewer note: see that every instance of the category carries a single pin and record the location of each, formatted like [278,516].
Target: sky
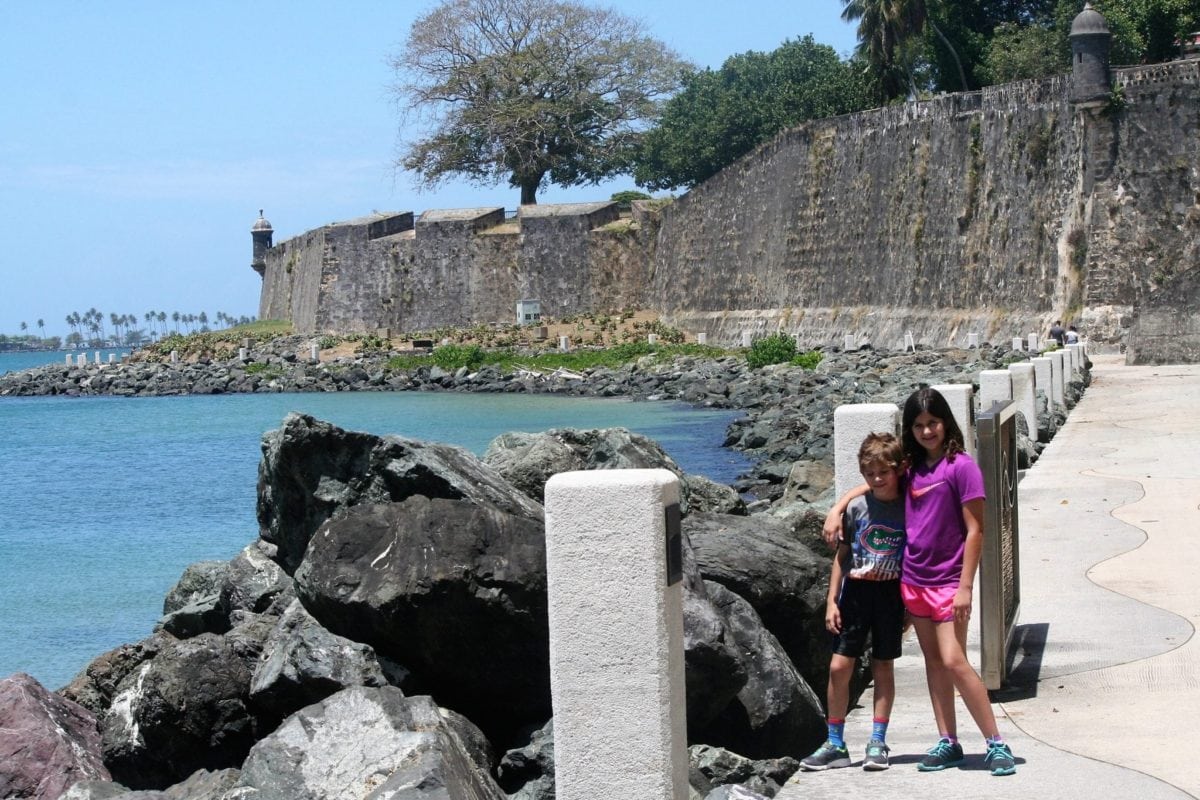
[139,139]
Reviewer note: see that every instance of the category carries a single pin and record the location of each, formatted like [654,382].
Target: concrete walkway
[1104,692]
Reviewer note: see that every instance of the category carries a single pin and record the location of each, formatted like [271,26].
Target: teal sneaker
[827,756]
[999,759]
[942,756]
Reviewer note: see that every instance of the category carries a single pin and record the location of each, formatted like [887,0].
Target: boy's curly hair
[881,448]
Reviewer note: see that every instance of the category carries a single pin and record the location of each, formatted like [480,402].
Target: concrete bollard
[1058,376]
[747,338]
[564,344]
[850,342]
[972,341]
[242,354]
[961,399]
[1076,351]
[615,607]
[314,353]
[995,386]
[112,358]
[69,359]
[174,356]
[247,343]
[652,338]
[1043,378]
[1023,394]
[910,343]
[851,424]
[81,360]
[97,355]
[701,338]
[1033,343]
[1018,344]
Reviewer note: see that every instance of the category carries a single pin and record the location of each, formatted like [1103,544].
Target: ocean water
[104,501]
[13,362]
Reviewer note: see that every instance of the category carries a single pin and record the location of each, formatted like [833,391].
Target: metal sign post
[999,567]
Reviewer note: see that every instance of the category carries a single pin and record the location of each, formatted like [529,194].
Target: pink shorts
[931,602]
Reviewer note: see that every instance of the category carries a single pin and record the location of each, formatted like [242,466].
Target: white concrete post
[747,338]
[972,340]
[69,359]
[961,399]
[851,424]
[241,354]
[1076,351]
[564,344]
[81,360]
[1058,376]
[652,338]
[314,353]
[1043,371]
[1023,394]
[995,386]
[701,338]
[174,356]
[1033,343]
[616,636]
[850,342]
[97,356]
[1018,344]
[909,342]
[112,358]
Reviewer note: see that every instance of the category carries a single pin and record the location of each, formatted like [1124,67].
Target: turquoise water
[104,501]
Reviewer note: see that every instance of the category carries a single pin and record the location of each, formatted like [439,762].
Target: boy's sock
[997,739]
[879,729]
[837,728]
[952,739]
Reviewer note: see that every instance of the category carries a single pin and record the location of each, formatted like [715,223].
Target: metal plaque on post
[999,566]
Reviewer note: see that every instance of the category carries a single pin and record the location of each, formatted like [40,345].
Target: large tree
[720,115]
[529,91]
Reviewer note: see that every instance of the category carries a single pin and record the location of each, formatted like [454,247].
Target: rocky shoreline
[386,634]
[788,409]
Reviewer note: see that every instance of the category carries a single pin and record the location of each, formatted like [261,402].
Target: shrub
[775,349]
[454,356]
[807,360]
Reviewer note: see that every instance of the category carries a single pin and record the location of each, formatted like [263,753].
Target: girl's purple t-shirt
[937,535]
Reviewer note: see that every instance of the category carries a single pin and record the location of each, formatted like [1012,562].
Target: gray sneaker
[942,756]
[827,756]
[877,756]
[999,759]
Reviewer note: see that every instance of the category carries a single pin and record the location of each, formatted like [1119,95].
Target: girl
[943,505]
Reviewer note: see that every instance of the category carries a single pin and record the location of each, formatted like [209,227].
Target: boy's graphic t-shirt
[874,529]
[937,534]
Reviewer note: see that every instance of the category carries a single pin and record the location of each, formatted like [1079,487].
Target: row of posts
[613,563]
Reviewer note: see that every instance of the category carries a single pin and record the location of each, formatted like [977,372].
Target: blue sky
[139,139]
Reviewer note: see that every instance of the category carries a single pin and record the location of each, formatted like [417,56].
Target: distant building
[529,312]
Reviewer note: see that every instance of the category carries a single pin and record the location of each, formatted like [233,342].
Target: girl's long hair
[932,401]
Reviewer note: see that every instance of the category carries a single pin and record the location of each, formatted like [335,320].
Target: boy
[864,598]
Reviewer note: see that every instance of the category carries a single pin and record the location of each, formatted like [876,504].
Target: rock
[310,470]
[735,792]
[721,768]
[456,592]
[47,742]
[186,709]
[200,785]
[807,481]
[253,581]
[95,790]
[94,687]
[200,580]
[708,495]
[782,578]
[303,664]
[527,772]
[527,460]
[363,742]
[202,615]
[776,713]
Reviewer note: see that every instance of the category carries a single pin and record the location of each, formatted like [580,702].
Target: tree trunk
[529,193]
[962,76]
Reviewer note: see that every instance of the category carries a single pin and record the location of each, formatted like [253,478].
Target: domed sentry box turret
[262,232]
[1091,82]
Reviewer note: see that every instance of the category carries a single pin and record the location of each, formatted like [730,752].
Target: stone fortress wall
[992,212]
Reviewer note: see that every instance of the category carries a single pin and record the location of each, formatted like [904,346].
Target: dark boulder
[311,469]
[186,709]
[303,663]
[527,772]
[720,767]
[200,785]
[776,713]
[96,685]
[365,742]
[253,581]
[782,577]
[454,591]
[200,580]
[47,742]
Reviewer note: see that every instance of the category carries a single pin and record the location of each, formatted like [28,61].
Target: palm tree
[886,28]
[41,323]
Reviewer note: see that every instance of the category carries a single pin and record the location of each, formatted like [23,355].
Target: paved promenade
[1104,697]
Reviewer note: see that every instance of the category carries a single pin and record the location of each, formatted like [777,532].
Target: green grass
[451,357]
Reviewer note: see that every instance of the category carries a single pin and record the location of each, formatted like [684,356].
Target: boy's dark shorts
[870,607]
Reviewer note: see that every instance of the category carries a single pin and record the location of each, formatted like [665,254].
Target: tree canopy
[720,115]
[529,91]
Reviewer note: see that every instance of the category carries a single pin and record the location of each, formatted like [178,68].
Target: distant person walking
[1072,335]
[1057,333]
